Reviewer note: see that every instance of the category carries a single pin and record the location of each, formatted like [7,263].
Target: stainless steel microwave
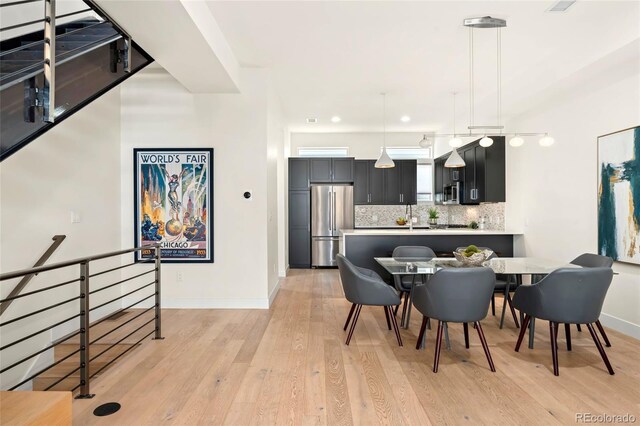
[452,193]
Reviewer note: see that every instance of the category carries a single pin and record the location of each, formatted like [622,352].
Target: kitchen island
[360,246]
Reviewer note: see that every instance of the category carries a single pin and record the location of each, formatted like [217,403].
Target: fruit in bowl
[472,255]
[401,221]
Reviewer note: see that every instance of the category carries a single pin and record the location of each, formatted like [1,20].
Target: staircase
[42,82]
[66,375]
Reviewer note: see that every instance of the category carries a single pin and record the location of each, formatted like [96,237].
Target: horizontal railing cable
[122,339]
[62,378]
[120,310]
[39,269]
[40,290]
[124,352]
[86,47]
[16,3]
[46,348]
[22,70]
[33,376]
[121,325]
[121,297]
[77,12]
[118,267]
[38,21]
[122,281]
[38,311]
[8,345]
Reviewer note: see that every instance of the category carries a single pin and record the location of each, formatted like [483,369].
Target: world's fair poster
[173,203]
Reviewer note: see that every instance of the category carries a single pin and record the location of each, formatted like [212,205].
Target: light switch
[75,217]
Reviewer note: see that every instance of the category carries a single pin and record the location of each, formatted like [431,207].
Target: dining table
[511,267]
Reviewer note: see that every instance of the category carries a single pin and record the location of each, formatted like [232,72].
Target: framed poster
[619,195]
[173,203]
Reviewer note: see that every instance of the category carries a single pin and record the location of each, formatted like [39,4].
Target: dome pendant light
[384,162]
[486,142]
[516,141]
[546,141]
[454,160]
[424,142]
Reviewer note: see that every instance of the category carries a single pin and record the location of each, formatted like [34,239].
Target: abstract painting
[619,195]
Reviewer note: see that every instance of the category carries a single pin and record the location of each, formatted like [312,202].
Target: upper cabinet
[483,177]
[305,171]
[396,185]
[331,170]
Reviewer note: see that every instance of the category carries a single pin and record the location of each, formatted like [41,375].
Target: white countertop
[406,231]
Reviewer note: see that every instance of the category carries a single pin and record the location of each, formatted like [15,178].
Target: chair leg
[423,329]
[353,324]
[485,346]
[436,358]
[513,311]
[346,324]
[386,314]
[604,335]
[554,348]
[466,335]
[579,328]
[567,335]
[404,309]
[394,322]
[493,304]
[603,354]
[523,330]
[428,323]
[395,311]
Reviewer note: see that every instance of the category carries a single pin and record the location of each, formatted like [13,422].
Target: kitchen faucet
[409,208]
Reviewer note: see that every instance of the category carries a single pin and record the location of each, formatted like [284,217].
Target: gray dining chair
[568,296]
[403,283]
[501,288]
[459,295]
[365,287]
[590,260]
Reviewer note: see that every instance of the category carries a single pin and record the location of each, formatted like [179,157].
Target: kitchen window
[323,152]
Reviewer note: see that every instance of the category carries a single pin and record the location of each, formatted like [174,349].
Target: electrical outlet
[75,217]
[179,276]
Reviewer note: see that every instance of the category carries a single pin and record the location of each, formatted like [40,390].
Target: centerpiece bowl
[476,259]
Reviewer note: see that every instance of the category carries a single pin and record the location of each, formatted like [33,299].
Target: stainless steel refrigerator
[331,211]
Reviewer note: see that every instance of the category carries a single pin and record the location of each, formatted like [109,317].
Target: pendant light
[454,160]
[384,162]
[546,141]
[486,142]
[516,141]
[425,142]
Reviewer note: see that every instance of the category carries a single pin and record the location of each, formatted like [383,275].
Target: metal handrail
[83,314]
[57,240]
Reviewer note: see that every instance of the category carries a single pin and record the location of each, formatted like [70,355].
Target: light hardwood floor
[289,365]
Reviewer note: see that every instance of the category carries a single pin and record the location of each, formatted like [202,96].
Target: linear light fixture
[561,6]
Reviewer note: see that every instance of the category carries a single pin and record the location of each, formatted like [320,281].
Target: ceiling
[335,58]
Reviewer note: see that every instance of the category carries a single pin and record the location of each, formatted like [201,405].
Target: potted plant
[433,216]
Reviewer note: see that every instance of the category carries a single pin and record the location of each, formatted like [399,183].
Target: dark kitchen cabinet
[299,229]
[368,183]
[320,169]
[342,170]
[335,170]
[298,173]
[438,180]
[400,183]
[483,177]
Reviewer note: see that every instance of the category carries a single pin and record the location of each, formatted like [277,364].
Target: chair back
[362,289]
[590,260]
[572,296]
[413,252]
[456,294]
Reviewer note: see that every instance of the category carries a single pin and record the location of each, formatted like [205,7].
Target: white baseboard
[216,304]
[274,292]
[623,326]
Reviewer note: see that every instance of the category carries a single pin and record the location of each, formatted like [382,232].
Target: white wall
[553,191]
[158,112]
[73,167]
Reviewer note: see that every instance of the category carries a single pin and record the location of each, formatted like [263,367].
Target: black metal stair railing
[83,315]
[48,75]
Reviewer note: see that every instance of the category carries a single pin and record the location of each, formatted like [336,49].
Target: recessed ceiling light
[561,6]
[312,120]
[335,119]
[405,119]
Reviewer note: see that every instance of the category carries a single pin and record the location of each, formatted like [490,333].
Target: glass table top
[502,265]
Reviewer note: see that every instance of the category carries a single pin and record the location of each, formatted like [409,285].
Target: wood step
[64,349]
[36,408]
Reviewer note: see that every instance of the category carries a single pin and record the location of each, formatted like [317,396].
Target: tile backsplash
[385,216]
